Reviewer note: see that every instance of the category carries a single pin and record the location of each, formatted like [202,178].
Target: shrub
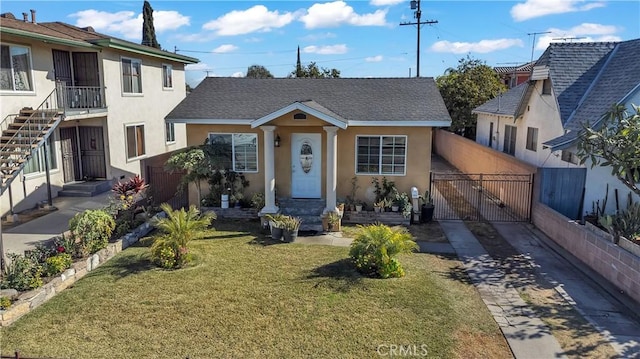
[22,273]
[64,244]
[5,303]
[93,228]
[169,249]
[57,264]
[375,248]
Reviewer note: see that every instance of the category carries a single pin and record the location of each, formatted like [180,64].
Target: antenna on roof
[569,38]
[533,43]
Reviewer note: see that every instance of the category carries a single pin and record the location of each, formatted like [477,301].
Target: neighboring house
[571,84]
[97,102]
[513,76]
[328,131]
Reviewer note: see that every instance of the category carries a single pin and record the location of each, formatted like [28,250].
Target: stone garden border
[30,300]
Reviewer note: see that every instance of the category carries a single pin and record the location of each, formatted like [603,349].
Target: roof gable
[310,107]
[504,104]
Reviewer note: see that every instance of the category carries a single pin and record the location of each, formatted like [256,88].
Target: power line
[415,5]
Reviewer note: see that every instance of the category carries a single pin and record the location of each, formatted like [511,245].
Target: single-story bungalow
[311,137]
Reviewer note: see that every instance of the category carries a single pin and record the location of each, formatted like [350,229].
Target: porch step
[309,210]
[85,189]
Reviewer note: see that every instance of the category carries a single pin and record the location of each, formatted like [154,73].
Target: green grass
[247,297]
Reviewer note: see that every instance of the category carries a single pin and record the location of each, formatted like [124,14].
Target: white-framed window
[36,163]
[381,155]
[15,68]
[170,132]
[135,140]
[167,76]
[235,151]
[570,157]
[509,139]
[131,75]
[532,139]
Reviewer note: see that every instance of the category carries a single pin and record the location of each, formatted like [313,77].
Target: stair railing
[29,136]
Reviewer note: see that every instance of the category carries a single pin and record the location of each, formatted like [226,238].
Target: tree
[148,30]
[614,143]
[313,71]
[466,87]
[195,163]
[258,72]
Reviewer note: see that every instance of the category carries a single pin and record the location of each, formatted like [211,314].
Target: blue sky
[360,38]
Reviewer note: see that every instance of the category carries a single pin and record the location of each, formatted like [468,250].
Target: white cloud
[316,37]
[326,50]
[376,58]
[201,66]
[237,74]
[333,14]
[222,49]
[127,24]
[482,47]
[585,32]
[385,2]
[255,19]
[535,8]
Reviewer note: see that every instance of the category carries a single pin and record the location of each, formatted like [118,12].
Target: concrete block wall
[593,247]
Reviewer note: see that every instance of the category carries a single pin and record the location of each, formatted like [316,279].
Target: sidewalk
[26,235]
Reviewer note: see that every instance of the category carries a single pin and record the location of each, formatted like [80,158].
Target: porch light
[276,142]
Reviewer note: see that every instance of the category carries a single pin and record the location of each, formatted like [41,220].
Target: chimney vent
[33,16]
[25,17]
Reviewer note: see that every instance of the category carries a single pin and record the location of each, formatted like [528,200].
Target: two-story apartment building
[89,105]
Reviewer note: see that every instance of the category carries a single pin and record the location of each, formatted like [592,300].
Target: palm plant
[375,248]
[169,248]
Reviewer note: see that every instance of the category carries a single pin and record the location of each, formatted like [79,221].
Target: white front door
[306,162]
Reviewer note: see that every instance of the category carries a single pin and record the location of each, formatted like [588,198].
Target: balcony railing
[82,97]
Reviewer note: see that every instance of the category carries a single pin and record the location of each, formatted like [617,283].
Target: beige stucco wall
[417,167]
[150,108]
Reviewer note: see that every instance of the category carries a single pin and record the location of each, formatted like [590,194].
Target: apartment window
[170,132]
[509,140]
[135,141]
[381,154]
[570,157]
[36,163]
[131,76]
[15,68]
[235,151]
[546,87]
[532,139]
[167,76]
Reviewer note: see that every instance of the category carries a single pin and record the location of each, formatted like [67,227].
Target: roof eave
[301,107]
[117,44]
[47,38]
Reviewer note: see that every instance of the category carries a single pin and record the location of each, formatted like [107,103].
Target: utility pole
[533,44]
[415,5]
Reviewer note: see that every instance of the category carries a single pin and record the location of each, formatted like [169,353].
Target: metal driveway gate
[480,197]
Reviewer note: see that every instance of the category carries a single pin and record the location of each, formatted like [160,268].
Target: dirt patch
[428,232]
[26,216]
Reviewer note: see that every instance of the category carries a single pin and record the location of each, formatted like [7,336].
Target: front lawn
[245,297]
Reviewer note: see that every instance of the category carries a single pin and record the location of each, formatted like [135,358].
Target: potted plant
[358,204]
[276,225]
[333,222]
[426,211]
[378,206]
[290,227]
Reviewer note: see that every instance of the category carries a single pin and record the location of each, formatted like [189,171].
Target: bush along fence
[30,300]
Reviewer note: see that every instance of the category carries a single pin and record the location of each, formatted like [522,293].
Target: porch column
[332,167]
[269,172]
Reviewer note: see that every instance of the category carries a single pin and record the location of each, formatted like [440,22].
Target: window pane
[21,68]
[221,150]
[167,80]
[131,142]
[245,152]
[137,76]
[170,132]
[6,79]
[140,140]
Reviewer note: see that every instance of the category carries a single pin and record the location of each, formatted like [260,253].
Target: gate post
[480,190]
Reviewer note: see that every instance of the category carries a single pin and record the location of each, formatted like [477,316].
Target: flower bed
[27,301]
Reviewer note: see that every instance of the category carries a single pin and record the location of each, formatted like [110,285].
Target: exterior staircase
[23,134]
[309,210]
[85,189]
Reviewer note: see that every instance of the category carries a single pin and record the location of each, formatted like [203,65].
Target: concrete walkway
[26,235]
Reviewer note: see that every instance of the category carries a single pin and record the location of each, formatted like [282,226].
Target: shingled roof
[504,104]
[617,76]
[66,34]
[346,99]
